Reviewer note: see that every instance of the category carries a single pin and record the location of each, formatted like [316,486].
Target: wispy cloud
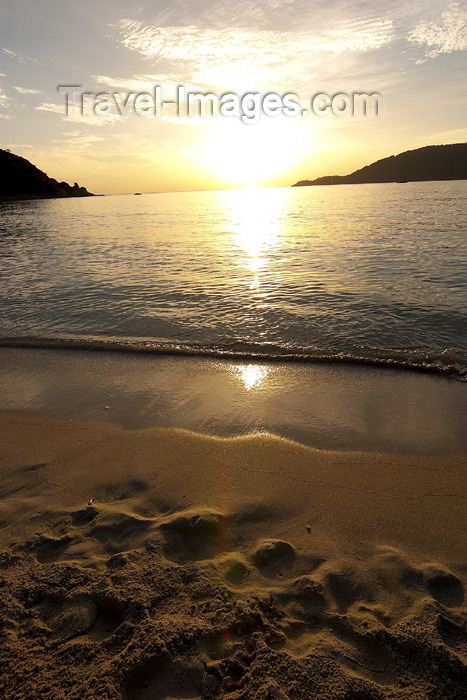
[26,91]
[51,107]
[17,56]
[197,44]
[450,136]
[8,105]
[4,102]
[168,84]
[18,146]
[449,35]
[78,140]
[204,55]
[136,83]
[100,154]
[77,118]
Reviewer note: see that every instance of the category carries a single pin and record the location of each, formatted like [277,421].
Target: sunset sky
[413,54]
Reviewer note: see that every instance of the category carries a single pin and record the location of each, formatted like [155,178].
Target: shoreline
[424,362]
[336,407]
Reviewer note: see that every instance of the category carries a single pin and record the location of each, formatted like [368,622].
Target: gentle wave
[448,362]
[287,274]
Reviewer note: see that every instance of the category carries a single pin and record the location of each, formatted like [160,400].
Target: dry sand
[159,563]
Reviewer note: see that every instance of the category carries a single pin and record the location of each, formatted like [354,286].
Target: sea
[370,274]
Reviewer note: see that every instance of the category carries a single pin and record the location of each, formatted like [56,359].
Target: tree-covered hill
[429,163]
[20,179]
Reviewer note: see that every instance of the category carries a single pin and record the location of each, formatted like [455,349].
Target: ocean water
[359,273]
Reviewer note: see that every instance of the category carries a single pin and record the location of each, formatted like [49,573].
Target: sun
[242,154]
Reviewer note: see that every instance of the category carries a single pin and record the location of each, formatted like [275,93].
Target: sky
[412,54]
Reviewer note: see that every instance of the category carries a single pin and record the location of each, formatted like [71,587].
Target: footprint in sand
[163,677]
[114,530]
[304,597]
[346,587]
[197,676]
[272,557]
[47,549]
[84,515]
[453,633]
[97,617]
[194,536]
[443,585]
[310,625]
[233,569]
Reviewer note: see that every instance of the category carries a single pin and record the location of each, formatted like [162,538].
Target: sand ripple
[240,578]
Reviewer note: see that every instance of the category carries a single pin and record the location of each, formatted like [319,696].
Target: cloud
[168,84]
[196,44]
[136,83]
[450,136]
[448,36]
[106,153]
[78,118]
[3,99]
[26,91]
[9,103]
[214,56]
[19,145]
[51,107]
[19,57]
[4,102]
[78,140]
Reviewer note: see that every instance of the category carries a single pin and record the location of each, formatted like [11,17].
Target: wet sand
[159,562]
[337,407]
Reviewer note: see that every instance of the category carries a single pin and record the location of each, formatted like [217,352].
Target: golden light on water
[255,220]
[252,376]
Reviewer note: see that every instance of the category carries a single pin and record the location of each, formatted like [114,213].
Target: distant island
[429,163]
[20,179]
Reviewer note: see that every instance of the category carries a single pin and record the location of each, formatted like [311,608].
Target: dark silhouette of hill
[20,179]
[429,163]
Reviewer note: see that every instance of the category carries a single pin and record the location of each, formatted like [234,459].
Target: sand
[329,406]
[162,563]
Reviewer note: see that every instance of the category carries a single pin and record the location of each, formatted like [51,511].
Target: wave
[450,362]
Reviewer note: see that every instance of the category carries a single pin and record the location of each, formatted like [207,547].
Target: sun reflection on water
[255,220]
[252,376]
[254,232]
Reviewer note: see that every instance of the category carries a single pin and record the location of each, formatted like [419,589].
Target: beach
[157,548]
[233,411]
